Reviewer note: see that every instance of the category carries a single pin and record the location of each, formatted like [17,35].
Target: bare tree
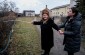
[6,6]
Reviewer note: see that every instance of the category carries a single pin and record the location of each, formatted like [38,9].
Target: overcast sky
[38,5]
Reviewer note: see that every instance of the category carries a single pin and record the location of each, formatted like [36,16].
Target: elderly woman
[46,24]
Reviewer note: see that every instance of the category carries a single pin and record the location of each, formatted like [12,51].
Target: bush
[5,28]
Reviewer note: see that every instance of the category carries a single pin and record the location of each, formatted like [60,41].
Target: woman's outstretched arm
[37,22]
[54,25]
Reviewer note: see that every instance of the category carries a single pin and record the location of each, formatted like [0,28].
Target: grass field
[25,40]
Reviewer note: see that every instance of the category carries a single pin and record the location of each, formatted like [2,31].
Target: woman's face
[45,16]
[70,13]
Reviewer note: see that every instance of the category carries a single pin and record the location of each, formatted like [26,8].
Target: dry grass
[25,40]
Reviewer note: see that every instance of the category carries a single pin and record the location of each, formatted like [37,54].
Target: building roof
[29,11]
[46,8]
[60,6]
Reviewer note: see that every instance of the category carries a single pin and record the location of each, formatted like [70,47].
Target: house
[29,13]
[60,10]
[8,14]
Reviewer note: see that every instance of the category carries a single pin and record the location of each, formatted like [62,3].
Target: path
[58,47]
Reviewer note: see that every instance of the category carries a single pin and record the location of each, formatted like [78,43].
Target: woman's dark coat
[72,35]
[47,33]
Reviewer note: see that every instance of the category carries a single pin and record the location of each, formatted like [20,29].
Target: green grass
[25,40]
